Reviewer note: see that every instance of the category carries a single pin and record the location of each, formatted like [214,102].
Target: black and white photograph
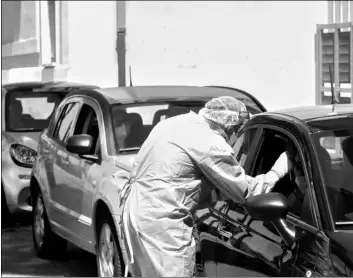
[176,138]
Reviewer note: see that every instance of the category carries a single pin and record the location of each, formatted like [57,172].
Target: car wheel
[110,262]
[47,244]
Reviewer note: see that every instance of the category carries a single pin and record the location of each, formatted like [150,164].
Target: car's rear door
[236,239]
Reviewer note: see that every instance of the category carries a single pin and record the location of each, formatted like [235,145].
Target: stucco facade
[266,48]
[59,40]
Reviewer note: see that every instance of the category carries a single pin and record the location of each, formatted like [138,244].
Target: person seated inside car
[122,127]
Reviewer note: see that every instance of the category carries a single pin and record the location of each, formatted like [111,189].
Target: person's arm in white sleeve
[222,169]
[280,168]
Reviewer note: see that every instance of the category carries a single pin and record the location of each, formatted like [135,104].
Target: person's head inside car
[226,115]
[122,126]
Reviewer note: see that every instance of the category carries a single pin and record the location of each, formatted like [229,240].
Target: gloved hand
[283,165]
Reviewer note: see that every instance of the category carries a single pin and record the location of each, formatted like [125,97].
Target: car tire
[108,250]
[47,244]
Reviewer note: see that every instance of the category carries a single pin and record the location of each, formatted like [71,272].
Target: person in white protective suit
[181,161]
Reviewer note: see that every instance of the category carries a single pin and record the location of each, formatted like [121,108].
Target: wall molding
[33,74]
[22,47]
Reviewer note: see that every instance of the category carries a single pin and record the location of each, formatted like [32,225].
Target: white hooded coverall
[176,165]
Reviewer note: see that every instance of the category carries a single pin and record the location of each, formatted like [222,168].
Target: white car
[26,111]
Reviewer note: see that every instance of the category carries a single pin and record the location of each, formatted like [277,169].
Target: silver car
[84,159]
[26,111]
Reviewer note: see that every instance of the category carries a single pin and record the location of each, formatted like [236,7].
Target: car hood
[28,139]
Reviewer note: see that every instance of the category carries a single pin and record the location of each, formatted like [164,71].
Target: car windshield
[30,111]
[335,151]
[133,123]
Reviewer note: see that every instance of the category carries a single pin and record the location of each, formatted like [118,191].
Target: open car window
[31,111]
[133,123]
[294,185]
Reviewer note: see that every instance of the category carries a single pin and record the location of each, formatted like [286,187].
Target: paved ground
[18,257]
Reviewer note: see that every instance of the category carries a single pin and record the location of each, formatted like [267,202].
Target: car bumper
[15,182]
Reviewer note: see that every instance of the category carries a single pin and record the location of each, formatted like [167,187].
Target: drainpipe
[121,42]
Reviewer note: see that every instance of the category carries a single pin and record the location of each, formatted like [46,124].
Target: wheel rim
[106,252]
[39,221]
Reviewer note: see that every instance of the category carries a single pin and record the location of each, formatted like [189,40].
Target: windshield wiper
[25,129]
[127,150]
[344,223]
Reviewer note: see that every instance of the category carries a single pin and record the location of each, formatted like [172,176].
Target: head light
[23,156]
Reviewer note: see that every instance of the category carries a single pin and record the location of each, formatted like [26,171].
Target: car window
[335,156]
[242,145]
[30,111]
[66,121]
[241,149]
[87,123]
[133,123]
[294,185]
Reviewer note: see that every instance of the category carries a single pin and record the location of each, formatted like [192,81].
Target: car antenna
[333,102]
[130,75]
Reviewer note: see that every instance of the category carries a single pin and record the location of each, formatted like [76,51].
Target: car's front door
[59,186]
[263,246]
[80,170]
[212,253]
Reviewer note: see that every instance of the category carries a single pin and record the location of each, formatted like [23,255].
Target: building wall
[265,48]
[83,48]
[19,38]
[92,36]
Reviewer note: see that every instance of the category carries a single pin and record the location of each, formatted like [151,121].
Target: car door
[211,221]
[60,186]
[263,245]
[83,172]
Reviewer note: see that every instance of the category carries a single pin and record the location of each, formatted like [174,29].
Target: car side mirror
[81,144]
[272,207]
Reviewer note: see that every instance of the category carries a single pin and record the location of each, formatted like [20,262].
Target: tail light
[23,156]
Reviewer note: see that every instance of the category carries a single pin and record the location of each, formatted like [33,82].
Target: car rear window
[30,111]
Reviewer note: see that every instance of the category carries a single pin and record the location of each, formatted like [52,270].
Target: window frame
[94,104]
[310,191]
[252,148]
[96,108]
[60,117]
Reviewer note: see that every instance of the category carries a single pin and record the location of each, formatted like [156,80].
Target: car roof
[45,85]
[310,119]
[308,113]
[173,93]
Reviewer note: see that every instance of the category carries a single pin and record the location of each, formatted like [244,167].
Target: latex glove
[266,182]
[283,165]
